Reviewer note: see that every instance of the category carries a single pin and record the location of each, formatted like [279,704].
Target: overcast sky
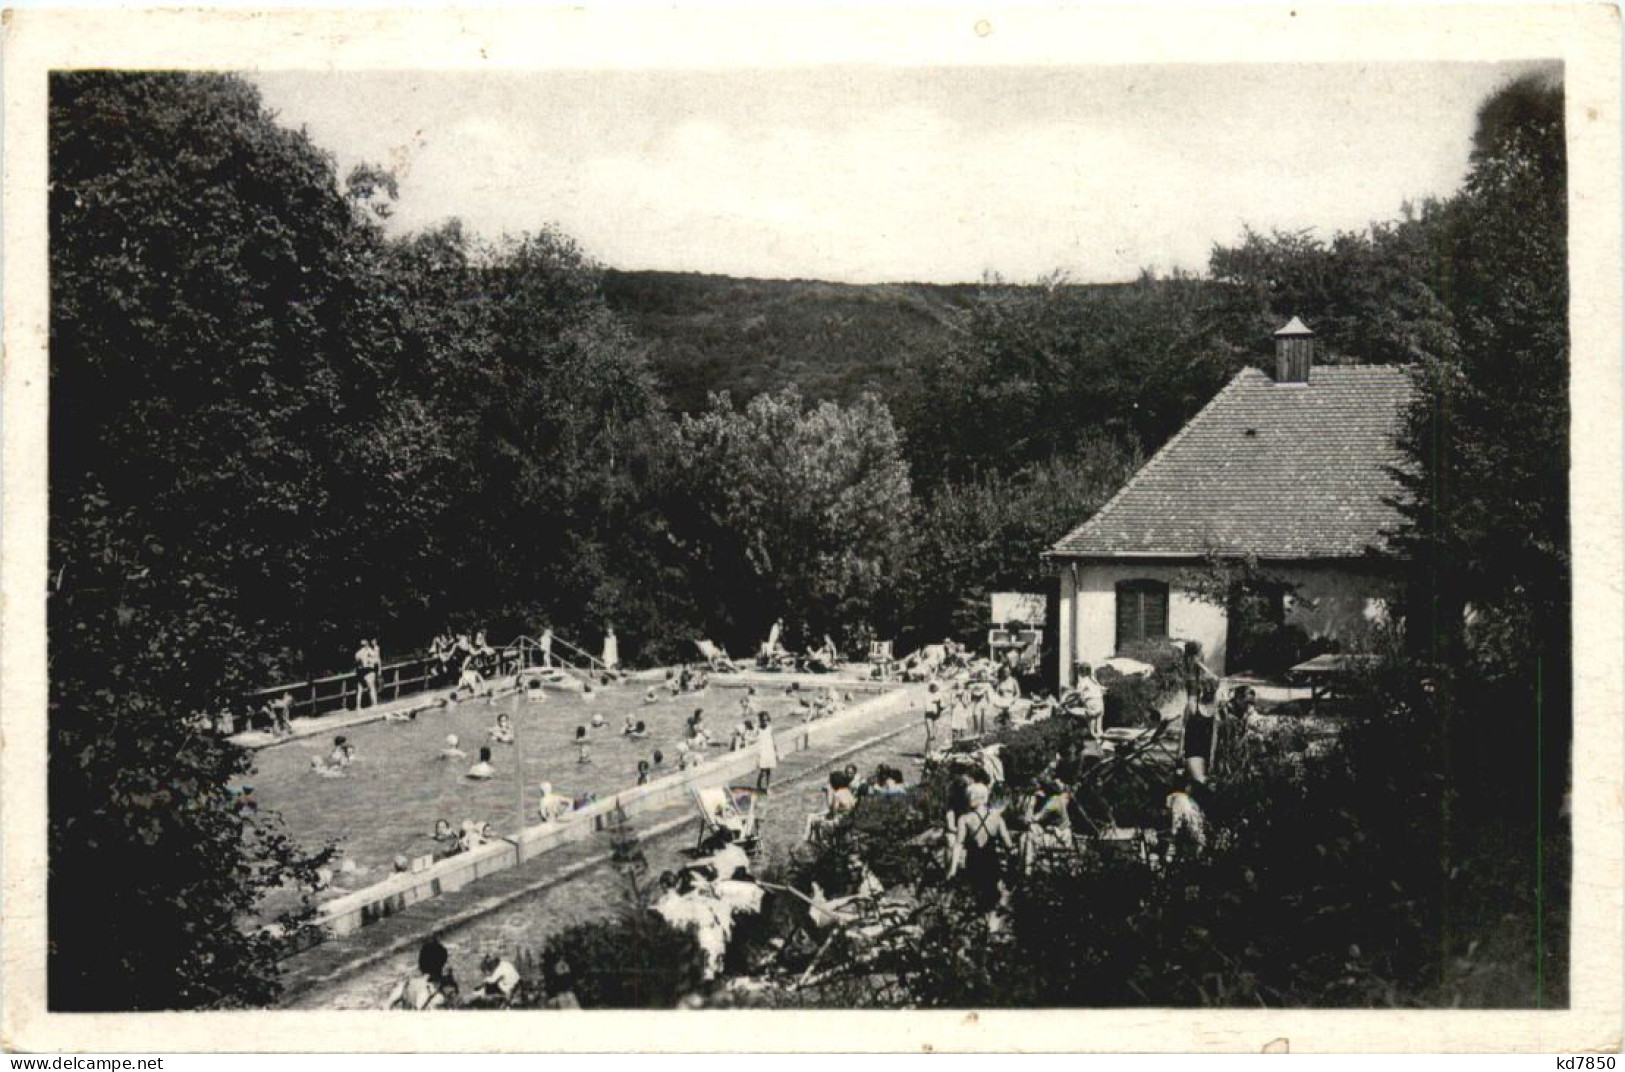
[865,174]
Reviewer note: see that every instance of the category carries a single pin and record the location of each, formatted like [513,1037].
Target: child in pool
[588,694]
[598,720]
[502,732]
[643,772]
[629,727]
[451,751]
[583,746]
[639,732]
[318,767]
[483,771]
[650,697]
[698,737]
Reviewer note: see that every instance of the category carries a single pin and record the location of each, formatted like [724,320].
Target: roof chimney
[1294,352]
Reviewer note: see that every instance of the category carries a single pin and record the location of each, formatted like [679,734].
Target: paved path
[520,907]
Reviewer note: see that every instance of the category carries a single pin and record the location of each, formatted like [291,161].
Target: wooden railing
[339,692]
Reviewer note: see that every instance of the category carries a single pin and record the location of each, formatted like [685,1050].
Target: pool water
[390,797]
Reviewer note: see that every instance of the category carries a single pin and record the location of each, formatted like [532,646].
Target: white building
[1295,471]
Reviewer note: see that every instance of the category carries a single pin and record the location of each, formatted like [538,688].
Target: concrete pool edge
[301,992]
[432,699]
[352,911]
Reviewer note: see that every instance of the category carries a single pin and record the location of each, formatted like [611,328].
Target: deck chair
[716,658]
[733,808]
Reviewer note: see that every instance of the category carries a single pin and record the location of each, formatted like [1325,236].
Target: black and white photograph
[1067,536]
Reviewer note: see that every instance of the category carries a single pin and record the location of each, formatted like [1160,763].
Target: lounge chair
[734,808]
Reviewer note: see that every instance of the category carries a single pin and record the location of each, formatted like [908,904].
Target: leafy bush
[633,961]
[1029,749]
[1133,701]
[1136,701]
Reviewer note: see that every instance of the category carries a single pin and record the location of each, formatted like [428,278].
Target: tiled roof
[1273,470]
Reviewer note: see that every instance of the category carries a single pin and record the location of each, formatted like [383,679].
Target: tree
[1488,511]
[1035,372]
[202,281]
[788,510]
[988,534]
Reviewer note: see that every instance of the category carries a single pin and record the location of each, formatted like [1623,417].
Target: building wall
[1336,601]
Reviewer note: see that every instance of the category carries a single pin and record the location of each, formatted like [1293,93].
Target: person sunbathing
[724,857]
[451,751]
[501,980]
[553,806]
[482,770]
[1049,822]
[839,800]
[502,732]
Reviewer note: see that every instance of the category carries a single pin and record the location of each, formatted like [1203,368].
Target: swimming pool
[389,798]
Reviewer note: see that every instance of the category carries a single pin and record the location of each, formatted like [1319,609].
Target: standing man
[363,668]
[612,648]
[546,644]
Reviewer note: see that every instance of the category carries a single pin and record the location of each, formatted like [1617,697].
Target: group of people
[684,679]
[822,658]
[932,661]
[466,663]
[708,895]
[433,985]
[964,707]
[846,787]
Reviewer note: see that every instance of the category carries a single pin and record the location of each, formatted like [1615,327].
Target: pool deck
[326,725]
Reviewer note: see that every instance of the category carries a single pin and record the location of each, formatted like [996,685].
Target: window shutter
[1156,610]
[1142,611]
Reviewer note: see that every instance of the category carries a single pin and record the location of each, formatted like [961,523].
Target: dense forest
[276,426]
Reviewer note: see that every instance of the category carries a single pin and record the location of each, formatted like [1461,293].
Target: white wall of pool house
[1335,600]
